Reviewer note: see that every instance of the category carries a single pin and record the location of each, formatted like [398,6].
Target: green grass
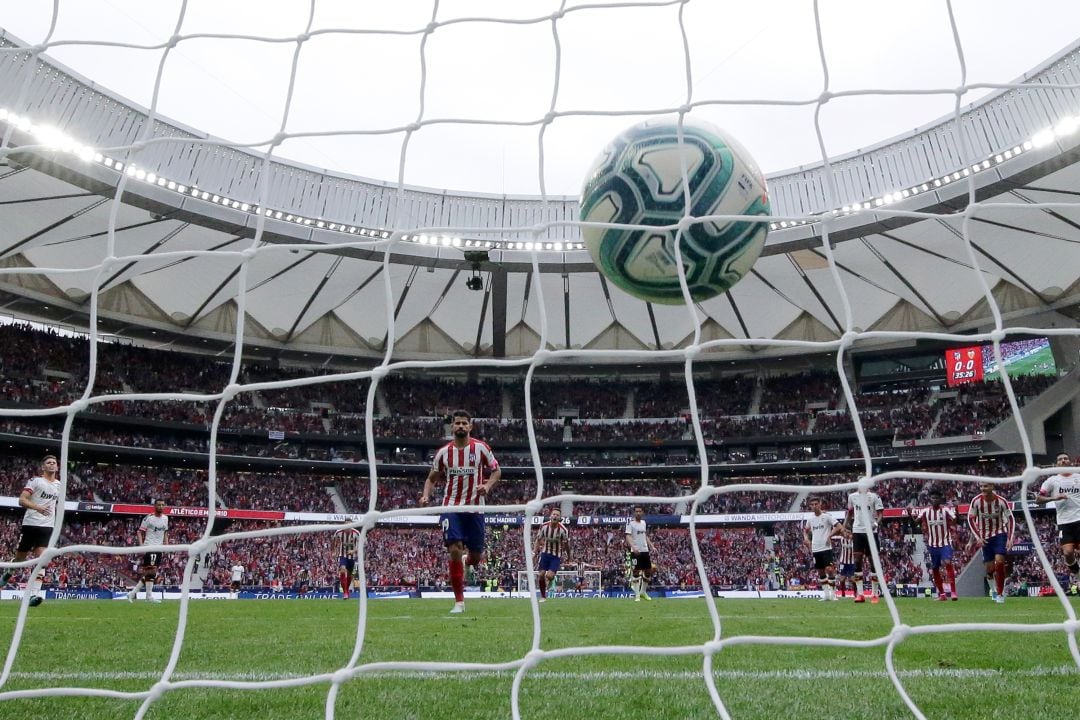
[125,647]
[1026,366]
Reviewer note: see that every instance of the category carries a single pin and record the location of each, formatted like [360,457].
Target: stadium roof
[186,193]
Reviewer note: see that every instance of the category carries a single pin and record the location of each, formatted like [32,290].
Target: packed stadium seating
[615,422]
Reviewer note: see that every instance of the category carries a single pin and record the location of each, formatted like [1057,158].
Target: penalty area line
[595,676]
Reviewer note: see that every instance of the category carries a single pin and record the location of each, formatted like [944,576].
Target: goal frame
[565,581]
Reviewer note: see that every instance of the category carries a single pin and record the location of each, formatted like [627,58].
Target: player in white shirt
[1063,490]
[154,530]
[864,512]
[818,530]
[642,568]
[39,497]
[237,571]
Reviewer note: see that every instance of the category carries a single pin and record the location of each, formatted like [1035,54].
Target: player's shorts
[860,542]
[994,545]
[939,555]
[465,528]
[151,559]
[235,584]
[642,561]
[346,562]
[847,570]
[34,536]
[549,562]
[823,559]
[1069,533]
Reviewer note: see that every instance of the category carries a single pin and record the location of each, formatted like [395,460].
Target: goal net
[566,583]
[275,216]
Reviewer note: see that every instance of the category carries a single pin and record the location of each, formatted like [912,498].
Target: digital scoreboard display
[976,363]
[964,365]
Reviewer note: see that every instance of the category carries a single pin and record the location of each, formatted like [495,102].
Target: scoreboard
[964,365]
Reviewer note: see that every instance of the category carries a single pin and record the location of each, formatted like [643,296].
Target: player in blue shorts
[552,543]
[461,464]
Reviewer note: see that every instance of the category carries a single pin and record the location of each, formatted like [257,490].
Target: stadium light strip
[61,142]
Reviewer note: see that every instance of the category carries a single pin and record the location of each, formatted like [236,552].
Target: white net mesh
[136,156]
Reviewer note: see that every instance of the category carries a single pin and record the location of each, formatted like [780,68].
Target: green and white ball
[637,180]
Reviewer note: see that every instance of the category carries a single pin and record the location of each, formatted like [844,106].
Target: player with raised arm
[1063,489]
[39,498]
[552,544]
[863,508]
[642,568]
[345,544]
[818,530]
[153,530]
[992,524]
[938,522]
[461,465]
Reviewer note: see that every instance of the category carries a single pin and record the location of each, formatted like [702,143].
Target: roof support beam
[52,226]
[499,285]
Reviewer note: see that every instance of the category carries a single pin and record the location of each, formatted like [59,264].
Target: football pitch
[1036,364]
[122,647]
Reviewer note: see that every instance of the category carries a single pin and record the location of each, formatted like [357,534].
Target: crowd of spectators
[419,395]
[799,393]
[42,368]
[733,557]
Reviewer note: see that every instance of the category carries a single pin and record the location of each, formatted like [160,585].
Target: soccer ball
[637,180]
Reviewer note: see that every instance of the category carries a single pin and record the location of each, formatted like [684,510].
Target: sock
[858,587]
[33,586]
[950,572]
[543,585]
[149,590]
[937,581]
[457,579]
[343,578]
[138,587]
[999,577]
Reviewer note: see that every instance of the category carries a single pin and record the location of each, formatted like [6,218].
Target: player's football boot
[859,598]
[542,600]
[131,596]
[994,595]
[36,600]
[459,607]
[999,599]
[942,597]
[955,596]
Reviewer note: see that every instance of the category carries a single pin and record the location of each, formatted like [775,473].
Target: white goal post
[566,581]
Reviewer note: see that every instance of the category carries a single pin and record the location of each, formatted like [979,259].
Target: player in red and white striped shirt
[991,521]
[345,544]
[552,543]
[461,464]
[937,523]
[845,558]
